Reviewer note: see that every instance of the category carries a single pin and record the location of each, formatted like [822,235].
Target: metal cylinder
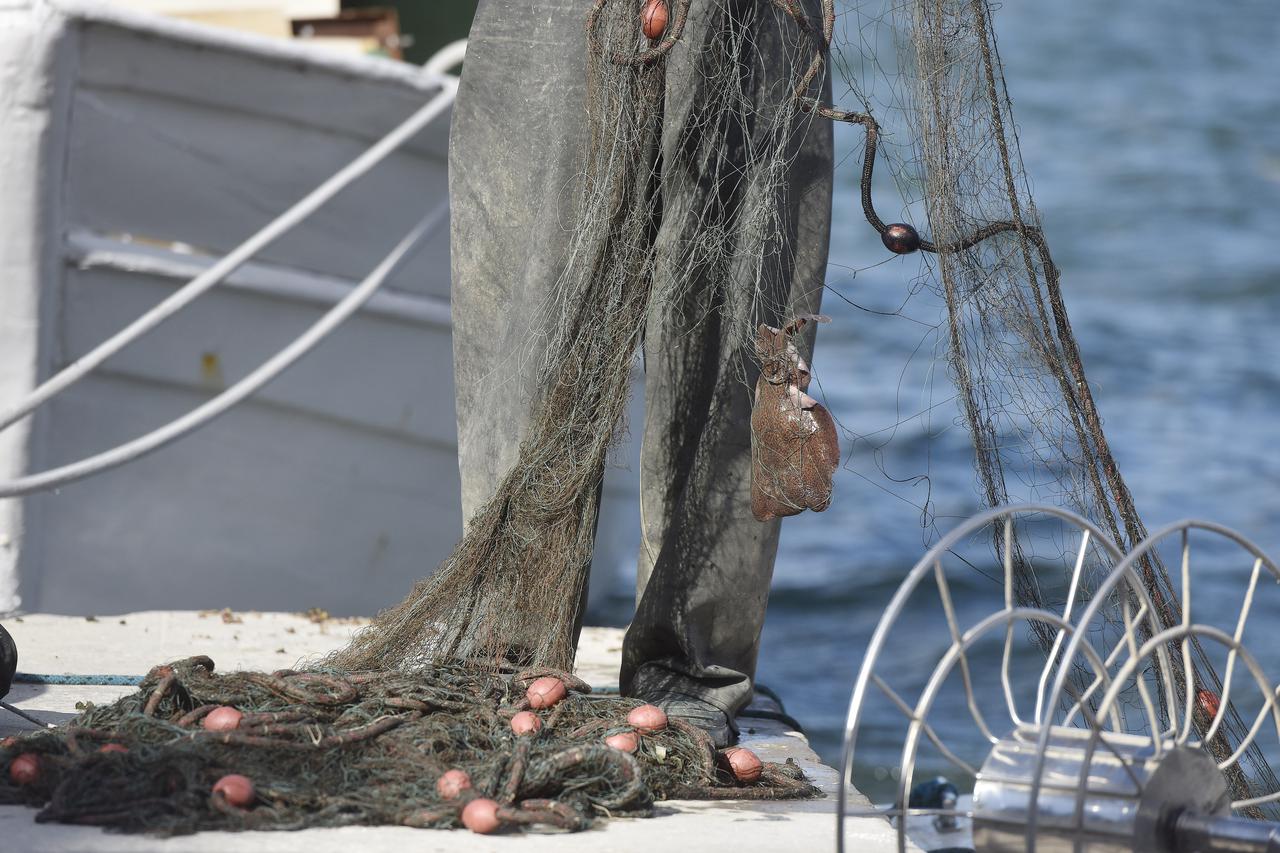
[1194,833]
[1099,793]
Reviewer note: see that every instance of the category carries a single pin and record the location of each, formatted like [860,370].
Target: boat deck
[131,644]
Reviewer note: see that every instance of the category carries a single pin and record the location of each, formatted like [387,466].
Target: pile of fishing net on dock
[445,747]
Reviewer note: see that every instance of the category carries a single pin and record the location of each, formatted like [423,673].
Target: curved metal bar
[895,607]
[1078,707]
[953,626]
[932,735]
[1245,607]
[1188,666]
[1007,655]
[943,669]
[452,54]
[1180,632]
[1126,567]
[1255,801]
[1072,590]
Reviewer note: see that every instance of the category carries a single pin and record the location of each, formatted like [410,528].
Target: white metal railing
[447,57]
[272,367]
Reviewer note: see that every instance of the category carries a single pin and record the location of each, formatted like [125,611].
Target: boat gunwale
[263,47]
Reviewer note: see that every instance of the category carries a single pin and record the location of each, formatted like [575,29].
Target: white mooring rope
[267,371]
[285,222]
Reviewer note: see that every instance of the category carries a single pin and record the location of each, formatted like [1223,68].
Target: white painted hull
[334,487]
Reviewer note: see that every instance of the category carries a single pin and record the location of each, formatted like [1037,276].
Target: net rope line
[1014,357]
[1084,416]
[1082,396]
[314,743]
[229,263]
[643,249]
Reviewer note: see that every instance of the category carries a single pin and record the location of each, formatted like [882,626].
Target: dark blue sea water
[1150,131]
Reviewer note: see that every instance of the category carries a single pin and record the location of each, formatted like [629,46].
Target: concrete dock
[131,644]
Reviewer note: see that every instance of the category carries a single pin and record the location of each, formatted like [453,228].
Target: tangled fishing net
[1022,390]
[706,261]
[427,686]
[194,750]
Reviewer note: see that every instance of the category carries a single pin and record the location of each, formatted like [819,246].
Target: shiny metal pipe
[1197,833]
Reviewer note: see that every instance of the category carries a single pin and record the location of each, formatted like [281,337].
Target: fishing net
[324,748]
[510,591]
[428,686]
[1022,389]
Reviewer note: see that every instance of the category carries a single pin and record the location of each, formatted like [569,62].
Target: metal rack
[1100,746]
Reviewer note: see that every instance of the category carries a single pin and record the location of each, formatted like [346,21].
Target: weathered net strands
[1024,395]
[194,750]
[510,591]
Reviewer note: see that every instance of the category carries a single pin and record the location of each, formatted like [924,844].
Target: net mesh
[1022,389]
[510,591]
[423,685]
[327,748]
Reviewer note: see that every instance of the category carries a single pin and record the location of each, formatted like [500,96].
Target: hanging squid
[795,449]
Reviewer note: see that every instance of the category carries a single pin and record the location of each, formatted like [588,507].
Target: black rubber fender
[8,661]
